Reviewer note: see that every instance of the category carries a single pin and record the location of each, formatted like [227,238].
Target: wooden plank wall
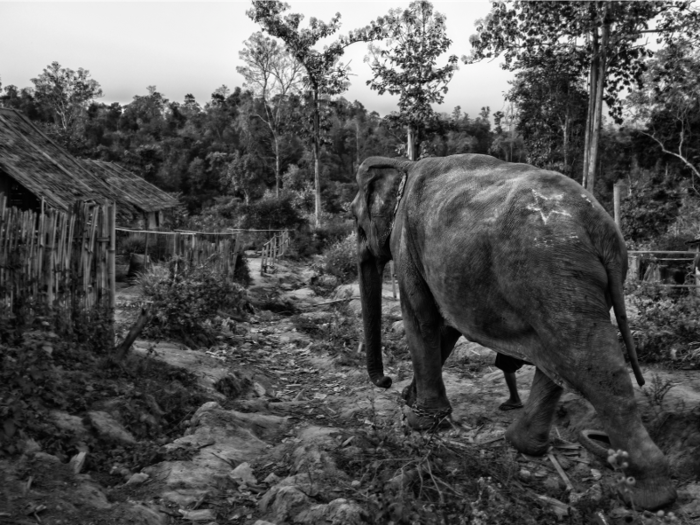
[54,257]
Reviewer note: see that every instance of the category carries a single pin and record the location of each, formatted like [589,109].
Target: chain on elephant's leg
[423,334]
[530,433]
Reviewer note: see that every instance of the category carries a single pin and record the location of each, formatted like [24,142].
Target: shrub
[668,325]
[340,259]
[271,213]
[314,241]
[187,301]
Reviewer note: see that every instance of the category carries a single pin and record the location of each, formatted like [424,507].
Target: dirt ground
[281,425]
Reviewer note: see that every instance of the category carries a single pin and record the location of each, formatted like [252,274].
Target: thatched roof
[133,189]
[46,169]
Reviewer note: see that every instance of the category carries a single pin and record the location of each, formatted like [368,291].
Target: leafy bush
[272,213]
[308,242]
[668,325]
[340,259]
[187,301]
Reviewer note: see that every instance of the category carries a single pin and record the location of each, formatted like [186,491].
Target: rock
[302,293]
[65,421]
[552,483]
[109,429]
[338,511]
[467,351]
[282,502]
[77,462]
[346,291]
[198,515]
[244,472]
[355,306]
[31,447]
[691,493]
[138,478]
[140,514]
[90,494]
[398,328]
[525,475]
[271,479]
[223,437]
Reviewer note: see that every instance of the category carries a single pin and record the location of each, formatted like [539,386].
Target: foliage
[273,75]
[667,104]
[651,207]
[601,38]
[407,67]
[667,326]
[188,301]
[65,94]
[324,74]
[340,260]
[550,106]
[316,240]
[271,213]
[35,343]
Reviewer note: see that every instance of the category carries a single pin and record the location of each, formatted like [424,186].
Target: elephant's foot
[530,433]
[649,494]
[526,440]
[429,417]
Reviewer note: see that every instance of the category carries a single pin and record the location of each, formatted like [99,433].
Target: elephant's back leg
[594,365]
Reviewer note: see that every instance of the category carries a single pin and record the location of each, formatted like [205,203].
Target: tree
[272,74]
[407,67]
[66,95]
[550,100]
[667,105]
[602,36]
[324,74]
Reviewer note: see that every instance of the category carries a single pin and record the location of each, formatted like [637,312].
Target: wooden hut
[34,169]
[149,201]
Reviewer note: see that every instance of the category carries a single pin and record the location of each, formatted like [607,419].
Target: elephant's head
[379,180]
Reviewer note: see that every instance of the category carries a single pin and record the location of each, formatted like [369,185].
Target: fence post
[616,204]
[111,258]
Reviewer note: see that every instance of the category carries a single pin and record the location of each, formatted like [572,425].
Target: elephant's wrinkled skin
[518,259]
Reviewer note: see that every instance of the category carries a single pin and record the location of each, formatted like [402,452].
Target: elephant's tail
[618,302]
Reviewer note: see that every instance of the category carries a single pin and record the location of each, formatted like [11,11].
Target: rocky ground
[290,431]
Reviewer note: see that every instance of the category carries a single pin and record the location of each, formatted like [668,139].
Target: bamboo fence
[219,250]
[54,258]
[272,250]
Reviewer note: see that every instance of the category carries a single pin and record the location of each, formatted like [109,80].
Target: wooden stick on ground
[123,348]
[561,472]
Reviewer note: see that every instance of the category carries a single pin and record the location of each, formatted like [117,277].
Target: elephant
[521,260]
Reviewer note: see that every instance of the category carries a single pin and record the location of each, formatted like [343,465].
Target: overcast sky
[192,47]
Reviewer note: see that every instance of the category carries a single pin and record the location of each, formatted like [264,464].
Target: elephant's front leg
[423,324]
[448,339]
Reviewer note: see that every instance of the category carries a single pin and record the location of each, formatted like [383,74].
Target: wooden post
[111,256]
[616,204]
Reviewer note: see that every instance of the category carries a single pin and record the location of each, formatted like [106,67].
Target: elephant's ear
[380,180]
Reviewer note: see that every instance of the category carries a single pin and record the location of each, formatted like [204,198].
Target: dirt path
[293,432]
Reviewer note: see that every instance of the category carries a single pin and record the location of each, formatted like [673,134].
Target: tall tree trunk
[357,144]
[592,86]
[278,177]
[317,169]
[598,110]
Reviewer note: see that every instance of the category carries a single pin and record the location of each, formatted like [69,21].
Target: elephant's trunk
[371,298]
